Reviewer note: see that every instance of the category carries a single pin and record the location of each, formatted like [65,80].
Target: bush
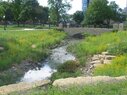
[69,66]
[58,75]
[118,49]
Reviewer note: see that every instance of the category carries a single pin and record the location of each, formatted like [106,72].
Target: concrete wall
[94,31]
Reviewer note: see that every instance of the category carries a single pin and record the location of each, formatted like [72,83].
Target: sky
[77,4]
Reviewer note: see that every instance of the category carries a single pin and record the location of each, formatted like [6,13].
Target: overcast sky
[77,4]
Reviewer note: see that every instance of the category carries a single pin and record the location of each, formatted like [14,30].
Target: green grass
[26,45]
[98,44]
[114,43]
[21,27]
[119,88]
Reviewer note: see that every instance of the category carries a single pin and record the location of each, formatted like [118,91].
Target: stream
[48,66]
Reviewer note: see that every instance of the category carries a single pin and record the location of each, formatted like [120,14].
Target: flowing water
[58,56]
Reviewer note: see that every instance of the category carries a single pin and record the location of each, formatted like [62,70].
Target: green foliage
[97,12]
[100,13]
[117,68]
[23,45]
[69,66]
[58,10]
[116,12]
[78,17]
[115,43]
[59,75]
[67,69]
[118,48]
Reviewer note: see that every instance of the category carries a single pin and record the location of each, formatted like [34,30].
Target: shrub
[118,48]
[69,66]
[58,75]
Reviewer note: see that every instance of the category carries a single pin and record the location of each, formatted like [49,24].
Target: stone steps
[97,60]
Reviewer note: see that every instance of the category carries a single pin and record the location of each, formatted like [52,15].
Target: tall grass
[98,44]
[23,45]
[118,67]
[114,43]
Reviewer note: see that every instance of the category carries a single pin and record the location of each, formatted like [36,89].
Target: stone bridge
[92,31]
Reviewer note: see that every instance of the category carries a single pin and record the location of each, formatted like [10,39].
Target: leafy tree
[97,12]
[78,17]
[58,10]
[2,11]
[117,13]
[29,11]
[42,14]
[17,8]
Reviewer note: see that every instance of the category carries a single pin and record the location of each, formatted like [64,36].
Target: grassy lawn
[114,43]
[119,88]
[26,45]
[21,27]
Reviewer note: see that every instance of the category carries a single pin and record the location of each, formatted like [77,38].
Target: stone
[60,26]
[96,62]
[107,61]
[1,48]
[68,82]
[22,86]
[95,57]
[115,26]
[109,57]
[104,53]
[96,65]
[121,26]
[33,46]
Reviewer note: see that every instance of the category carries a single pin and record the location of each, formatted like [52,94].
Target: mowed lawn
[26,45]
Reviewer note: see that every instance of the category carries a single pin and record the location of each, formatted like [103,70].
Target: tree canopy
[58,10]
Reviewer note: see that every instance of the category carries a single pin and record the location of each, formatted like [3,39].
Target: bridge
[92,31]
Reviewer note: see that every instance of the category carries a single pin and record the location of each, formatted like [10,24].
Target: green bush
[118,48]
[69,66]
[58,75]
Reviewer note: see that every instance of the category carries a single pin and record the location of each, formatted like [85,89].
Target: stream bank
[29,71]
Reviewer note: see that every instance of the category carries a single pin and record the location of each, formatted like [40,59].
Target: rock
[105,53]
[96,65]
[22,86]
[109,57]
[68,82]
[1,48]
[33,46]
[107,61]
[96,62]
[95,57]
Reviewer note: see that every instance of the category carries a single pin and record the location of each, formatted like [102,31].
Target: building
[85,4]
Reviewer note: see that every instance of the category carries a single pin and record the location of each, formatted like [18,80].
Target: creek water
[48,66]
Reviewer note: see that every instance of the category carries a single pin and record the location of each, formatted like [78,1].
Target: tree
[58,10]
[42,14]
[2,11]
[97,12]
[17,8]
[29,11]
[78,17]
[117,13]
